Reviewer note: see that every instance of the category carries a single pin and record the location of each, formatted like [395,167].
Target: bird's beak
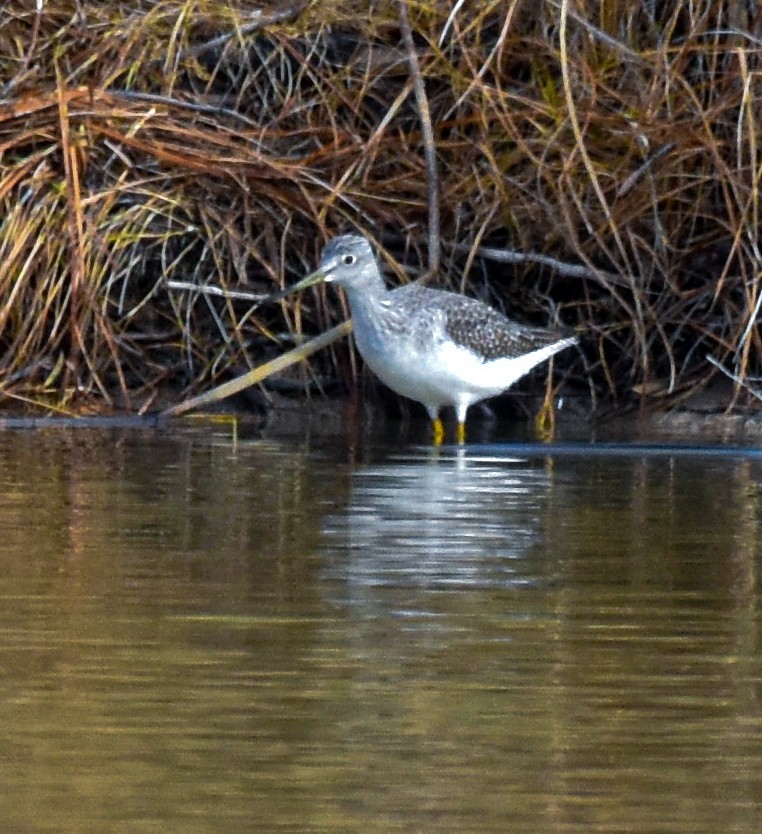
[312,279]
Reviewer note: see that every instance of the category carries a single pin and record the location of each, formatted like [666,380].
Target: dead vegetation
[595,162]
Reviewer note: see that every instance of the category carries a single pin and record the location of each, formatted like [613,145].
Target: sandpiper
[436,347]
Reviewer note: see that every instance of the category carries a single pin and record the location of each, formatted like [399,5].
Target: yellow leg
[461,435]
[439,432]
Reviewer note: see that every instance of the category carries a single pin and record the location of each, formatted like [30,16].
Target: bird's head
[346,261]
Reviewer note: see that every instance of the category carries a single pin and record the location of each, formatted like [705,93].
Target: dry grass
[610,151]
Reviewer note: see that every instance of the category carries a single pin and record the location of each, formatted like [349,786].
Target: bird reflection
[439,521]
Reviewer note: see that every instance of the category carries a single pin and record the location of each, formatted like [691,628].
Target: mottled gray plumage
[471,323]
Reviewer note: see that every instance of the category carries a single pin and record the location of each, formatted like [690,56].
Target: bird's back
[470,323]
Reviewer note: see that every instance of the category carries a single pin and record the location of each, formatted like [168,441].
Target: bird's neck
[365,299]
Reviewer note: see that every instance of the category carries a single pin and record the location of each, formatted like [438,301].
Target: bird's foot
[437,427]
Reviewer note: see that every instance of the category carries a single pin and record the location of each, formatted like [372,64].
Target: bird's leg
[461,433]
[438,428]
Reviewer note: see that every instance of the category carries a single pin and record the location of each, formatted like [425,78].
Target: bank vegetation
[593,164]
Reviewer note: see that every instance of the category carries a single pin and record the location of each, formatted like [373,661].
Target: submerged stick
[260,373]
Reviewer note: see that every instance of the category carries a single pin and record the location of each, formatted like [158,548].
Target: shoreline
[702,419]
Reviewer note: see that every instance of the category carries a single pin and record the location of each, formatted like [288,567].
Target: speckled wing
[489,334]
[428,315]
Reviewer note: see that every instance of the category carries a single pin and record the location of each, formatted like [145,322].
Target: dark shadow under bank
[646,432]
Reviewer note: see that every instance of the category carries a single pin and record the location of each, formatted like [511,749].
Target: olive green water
[284,637]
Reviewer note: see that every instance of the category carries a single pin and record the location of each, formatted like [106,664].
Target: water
[279,636]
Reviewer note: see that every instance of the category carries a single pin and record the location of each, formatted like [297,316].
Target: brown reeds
[594,162]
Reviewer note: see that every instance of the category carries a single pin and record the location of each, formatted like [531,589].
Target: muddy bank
[705,419]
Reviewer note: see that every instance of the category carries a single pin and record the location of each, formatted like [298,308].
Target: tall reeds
[599,162]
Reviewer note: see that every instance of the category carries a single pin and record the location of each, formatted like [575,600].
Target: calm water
[275,636]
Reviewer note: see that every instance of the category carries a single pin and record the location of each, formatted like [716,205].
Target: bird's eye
[348,260]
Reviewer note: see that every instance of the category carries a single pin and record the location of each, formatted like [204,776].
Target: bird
[434,346]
